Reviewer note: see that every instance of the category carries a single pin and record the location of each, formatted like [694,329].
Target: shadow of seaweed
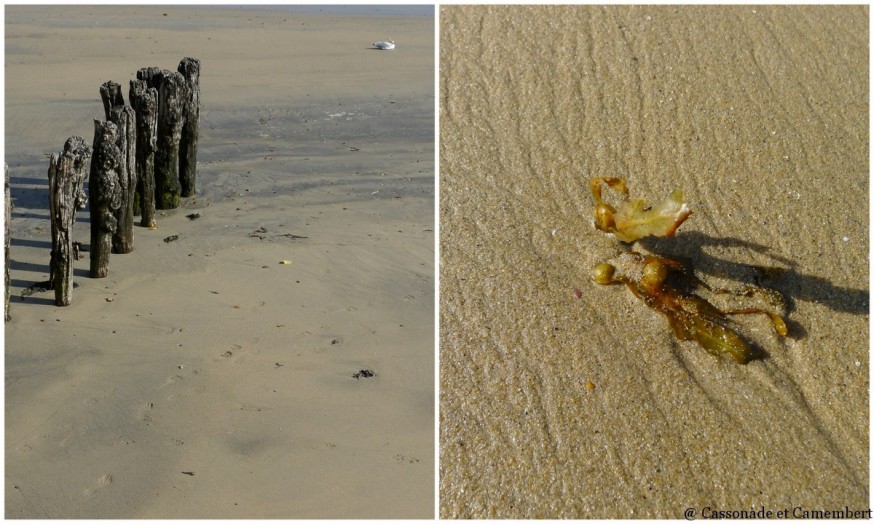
[783,276]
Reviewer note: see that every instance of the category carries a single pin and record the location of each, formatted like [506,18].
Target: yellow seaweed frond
[634,220]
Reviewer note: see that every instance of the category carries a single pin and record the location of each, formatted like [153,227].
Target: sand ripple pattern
[564,403]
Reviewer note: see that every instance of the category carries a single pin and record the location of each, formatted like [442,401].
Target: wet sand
[564,399]
[203,378]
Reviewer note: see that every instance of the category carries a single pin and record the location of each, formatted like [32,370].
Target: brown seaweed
[690,316]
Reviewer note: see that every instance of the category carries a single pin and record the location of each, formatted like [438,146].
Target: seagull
[386,45]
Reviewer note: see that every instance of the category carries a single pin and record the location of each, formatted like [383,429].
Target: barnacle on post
[690,316]
[633,219]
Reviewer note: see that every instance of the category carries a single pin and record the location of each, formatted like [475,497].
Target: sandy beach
[204,378]
[560,398]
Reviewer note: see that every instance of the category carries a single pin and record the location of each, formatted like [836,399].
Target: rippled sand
[560,398]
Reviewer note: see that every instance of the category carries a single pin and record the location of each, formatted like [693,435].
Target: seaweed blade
[635,221]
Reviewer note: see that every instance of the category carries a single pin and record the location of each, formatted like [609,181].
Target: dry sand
[761,115]
[202,378]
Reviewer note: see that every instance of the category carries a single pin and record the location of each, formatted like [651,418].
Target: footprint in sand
[119,439]
[404,458]
[145,412]
[334,342]
[171,380]
[102,482]
[232,354]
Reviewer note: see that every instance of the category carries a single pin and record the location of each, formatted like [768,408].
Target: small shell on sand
[386,45]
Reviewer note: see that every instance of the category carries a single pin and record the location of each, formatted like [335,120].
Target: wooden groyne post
[105,193]
[189,68]
[171,118]
[110,92]
[67,173]
[144,100]
[124,118]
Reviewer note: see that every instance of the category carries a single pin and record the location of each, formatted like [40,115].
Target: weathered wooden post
[170,121]
[190,70]
[7,237]
[67,173]
[144,100]
[151,75]
[105,193]
[124,119]
[110,92]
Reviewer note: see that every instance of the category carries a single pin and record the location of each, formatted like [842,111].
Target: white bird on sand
[386,44]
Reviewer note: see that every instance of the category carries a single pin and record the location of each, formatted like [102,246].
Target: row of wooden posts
[143,158]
